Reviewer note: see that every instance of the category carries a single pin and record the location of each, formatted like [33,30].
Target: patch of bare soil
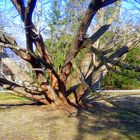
[113,119]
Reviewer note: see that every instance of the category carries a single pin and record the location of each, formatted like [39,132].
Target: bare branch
[122,65]
[22,53]
[80,41]
[116,55]
[21,91]
[32,36]
[120,72]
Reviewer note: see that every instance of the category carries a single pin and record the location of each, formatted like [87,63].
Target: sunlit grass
[8,98]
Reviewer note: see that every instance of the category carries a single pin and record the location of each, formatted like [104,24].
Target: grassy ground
[8,98]
[110,118]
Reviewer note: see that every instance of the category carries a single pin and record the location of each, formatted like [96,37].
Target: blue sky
[131,11]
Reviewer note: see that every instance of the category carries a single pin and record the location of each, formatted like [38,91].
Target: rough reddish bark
[55,91]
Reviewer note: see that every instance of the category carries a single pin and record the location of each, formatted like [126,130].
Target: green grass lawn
[8,98]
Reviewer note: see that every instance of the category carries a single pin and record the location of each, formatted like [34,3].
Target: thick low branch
[33,60]
[21,91]
[22,53]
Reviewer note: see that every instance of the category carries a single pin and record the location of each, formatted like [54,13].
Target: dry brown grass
[103,121]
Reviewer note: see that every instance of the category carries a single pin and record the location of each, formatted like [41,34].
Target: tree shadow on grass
[116,118]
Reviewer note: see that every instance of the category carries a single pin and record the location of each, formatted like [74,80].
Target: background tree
[95,44]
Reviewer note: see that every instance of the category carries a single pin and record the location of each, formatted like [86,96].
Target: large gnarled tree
[55,88]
